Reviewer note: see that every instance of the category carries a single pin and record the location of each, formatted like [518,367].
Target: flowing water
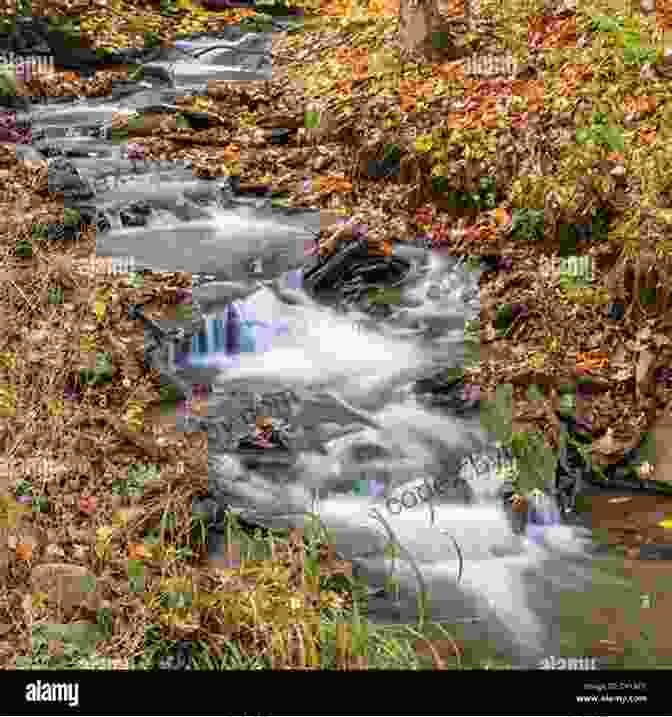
[362,436]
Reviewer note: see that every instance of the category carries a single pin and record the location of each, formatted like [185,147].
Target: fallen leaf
[138,551]
[88,504]
[24,551]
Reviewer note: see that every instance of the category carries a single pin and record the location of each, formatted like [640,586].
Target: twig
[459,554]
[375,514]
[22,294]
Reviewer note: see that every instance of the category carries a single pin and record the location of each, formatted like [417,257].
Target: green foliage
[78,642]
[119,134]
[311,119]
[496,415]
[137,74]
[636,55]
[271,7]
[182,122]
[261,22]
[606,23]
[168,394]
[184,312]
[483,199]
[600,224]
[167,8]
[536,461]
[629,40]
[392,152]
[576,272]
[71,217]
[7,80]
[528,224]
[23,248]
[534,393]
[136,576]
[139,474]
[137,280]
[55,296]
[504,317]
[385,296]
[472,330]
[101,372]
[151,39]
[39,232]
[66,26]
[567,404]
[601,133]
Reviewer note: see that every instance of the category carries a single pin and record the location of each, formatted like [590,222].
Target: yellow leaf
[8,359]
[100,310]
[104,533]
[87,344]
[56,407]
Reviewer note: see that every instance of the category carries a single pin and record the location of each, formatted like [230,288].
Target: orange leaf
[591,360]
[647,136]
[502,216]
[138,551]
[24,551]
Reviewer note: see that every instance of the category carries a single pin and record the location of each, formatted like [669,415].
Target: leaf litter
[345,95]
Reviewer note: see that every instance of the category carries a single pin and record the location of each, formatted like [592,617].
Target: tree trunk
[424,33]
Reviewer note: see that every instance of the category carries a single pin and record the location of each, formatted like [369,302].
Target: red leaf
[88,504]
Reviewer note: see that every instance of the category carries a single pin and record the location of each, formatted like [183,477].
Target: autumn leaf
[88,504]
[591,361]
[124,516]
[502,216]
[138,551]
[103,538]
[647,136]
[24,551]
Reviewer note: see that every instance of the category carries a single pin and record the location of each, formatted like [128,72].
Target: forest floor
[486,162]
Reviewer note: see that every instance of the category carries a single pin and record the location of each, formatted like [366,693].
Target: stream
[340,371]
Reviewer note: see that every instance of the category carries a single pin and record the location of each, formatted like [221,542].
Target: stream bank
[375,403]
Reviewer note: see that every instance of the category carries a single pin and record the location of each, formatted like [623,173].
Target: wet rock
[136,215]
[61,232]
[655,551]
[27,36]
[70,55]
[616,311]
[28,152]
[208,510]
[178,658]
[380,169]
[15,102]
[65,178]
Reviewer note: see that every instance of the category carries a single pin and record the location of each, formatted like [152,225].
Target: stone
[64,178]
[654,551]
